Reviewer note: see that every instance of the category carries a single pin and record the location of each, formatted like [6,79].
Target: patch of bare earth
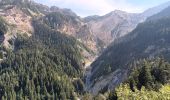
[18,22]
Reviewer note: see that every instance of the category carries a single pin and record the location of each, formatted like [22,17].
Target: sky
[100,7]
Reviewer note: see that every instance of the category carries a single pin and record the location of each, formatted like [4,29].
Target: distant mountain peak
[148,40]
[116,12]
[119,11]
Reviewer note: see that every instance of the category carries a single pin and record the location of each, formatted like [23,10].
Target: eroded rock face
[96,33]
[113,25]
[19,16]
[118,23]
[17,19]
[107,82]
[66,22]
[18,22]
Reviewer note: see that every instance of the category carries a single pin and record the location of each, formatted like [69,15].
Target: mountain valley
[51,53]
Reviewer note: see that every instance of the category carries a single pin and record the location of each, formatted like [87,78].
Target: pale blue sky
[101,7]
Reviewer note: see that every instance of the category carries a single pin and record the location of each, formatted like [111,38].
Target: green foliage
[99,97]
[3,27]
[57,20]
[150,73]
[1,55]
[149,79]
[112,96]
[79,86]
[41,67]
[87,97]
[125,93]
[27,6]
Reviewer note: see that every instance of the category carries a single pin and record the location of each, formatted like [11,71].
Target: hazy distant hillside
[149,39]
[164,14]
[118,23]
[156,9]
[113,25]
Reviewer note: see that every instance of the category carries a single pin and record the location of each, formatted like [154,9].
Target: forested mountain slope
[44,50]
[42,66]
[149,39]
[149,79]
[19,15]
[37,62]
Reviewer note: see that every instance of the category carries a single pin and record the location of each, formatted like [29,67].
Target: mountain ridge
[147,40]
[53,28]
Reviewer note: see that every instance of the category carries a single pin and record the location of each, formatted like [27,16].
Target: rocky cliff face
[118,23]
[19,15]
[113,25]
[95,32]
[67,22]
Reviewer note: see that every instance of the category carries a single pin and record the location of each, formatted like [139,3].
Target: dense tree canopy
[42,66]
[149,79]
[3,26]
